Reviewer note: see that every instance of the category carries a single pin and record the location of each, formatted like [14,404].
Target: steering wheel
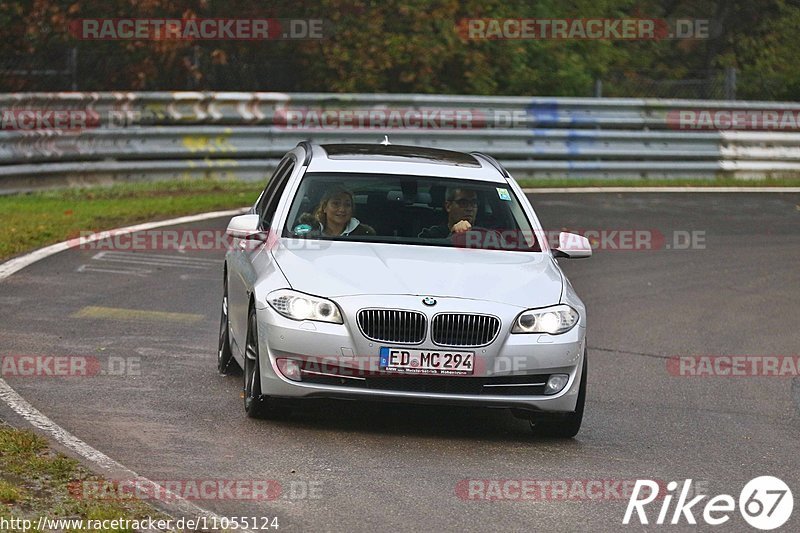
[478,237]
[481,238]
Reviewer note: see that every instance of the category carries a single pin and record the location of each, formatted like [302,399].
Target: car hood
[524,279]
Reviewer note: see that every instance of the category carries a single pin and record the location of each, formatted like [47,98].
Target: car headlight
[553,320]
[299,306]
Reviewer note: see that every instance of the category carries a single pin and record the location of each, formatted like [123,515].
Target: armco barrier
[163,135]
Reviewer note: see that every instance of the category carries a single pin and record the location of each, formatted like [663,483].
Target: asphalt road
[737,292]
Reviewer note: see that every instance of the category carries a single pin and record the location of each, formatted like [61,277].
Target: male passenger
[461,206]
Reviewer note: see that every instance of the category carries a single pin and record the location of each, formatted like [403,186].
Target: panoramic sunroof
[382,151]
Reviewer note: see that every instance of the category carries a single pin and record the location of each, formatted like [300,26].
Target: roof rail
[306,145]
[492,161]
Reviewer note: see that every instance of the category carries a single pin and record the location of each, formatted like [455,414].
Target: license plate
[416,361]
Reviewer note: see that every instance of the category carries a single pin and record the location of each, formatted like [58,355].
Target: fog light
[556,383]
[290,368]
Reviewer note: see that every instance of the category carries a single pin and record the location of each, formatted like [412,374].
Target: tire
[256,405]
[569,425]
[225,361]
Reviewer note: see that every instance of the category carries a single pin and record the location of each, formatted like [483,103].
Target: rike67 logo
[765,503]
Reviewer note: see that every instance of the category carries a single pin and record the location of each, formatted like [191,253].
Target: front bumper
[342,349]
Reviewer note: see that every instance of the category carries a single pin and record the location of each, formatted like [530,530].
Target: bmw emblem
[429,301]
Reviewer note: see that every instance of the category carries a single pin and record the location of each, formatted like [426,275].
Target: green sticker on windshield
[503,194]
[302,229]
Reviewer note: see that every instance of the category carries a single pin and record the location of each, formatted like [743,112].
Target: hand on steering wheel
[461,226]
[465,235]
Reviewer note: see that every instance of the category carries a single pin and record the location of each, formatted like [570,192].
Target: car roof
[401,159]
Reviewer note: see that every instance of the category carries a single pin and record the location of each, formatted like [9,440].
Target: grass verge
[33,220]
[36,482]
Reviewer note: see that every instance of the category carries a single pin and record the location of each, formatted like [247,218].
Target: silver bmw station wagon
[406,274]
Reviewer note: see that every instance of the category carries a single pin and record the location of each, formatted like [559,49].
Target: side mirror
[244,227]
[572,246]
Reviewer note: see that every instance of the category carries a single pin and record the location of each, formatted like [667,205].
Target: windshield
[418,210]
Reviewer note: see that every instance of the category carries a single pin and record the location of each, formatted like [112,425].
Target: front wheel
[256,405]
[224,355]
[567,426]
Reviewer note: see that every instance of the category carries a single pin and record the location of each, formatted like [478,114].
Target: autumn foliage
[398,46]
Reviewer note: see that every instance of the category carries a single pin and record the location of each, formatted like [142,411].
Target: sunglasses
[466,202]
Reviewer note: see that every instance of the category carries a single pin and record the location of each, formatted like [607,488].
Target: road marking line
[128,271]
[562,190]
[157,257]
[67,439]
[115,313]
[143,261]
[40,421]
[138,258]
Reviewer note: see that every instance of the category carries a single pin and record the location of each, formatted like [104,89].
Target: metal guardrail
[255,141]
[163,135]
